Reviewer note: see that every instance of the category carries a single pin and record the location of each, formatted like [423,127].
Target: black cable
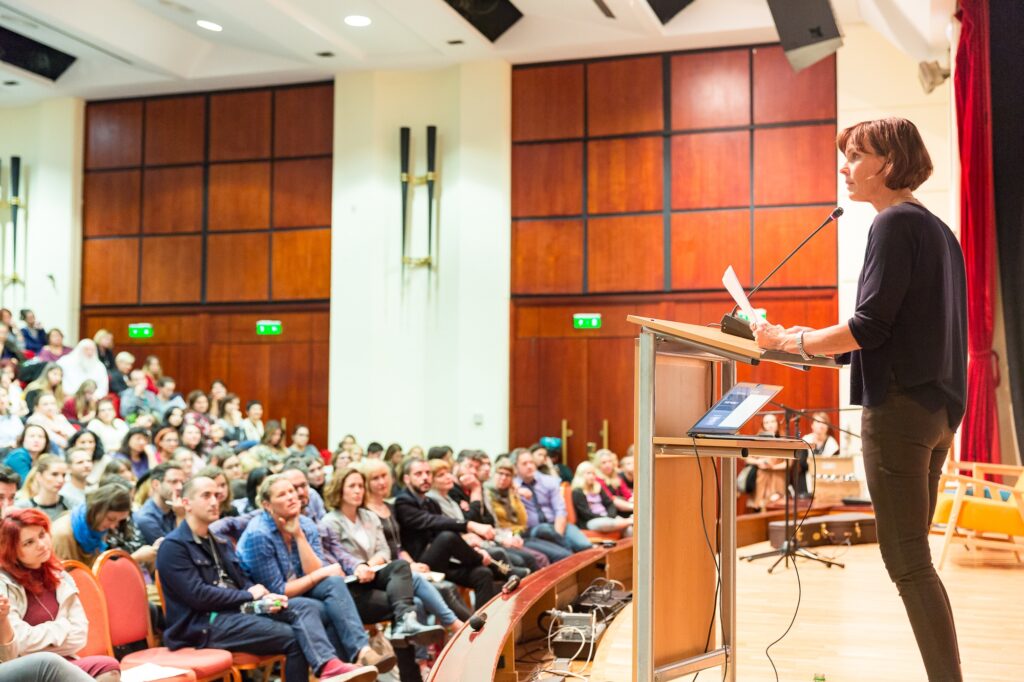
[711,550]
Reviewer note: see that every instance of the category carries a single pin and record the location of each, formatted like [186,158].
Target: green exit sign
[268,327]
[586,321]
[140,330]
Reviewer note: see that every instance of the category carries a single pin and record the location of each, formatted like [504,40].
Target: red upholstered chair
[570,511]
[124,589]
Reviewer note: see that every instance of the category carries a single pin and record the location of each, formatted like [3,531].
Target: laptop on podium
[736,407]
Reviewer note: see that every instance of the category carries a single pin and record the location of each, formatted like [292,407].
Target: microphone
[477,622]
[511,584]
[736,326]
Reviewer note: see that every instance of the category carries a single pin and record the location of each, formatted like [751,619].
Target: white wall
[873,80]
[422,356]
[49,139]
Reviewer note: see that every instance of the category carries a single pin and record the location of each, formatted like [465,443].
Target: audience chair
[240,661]
[570,511]
[980,514]
[124,590]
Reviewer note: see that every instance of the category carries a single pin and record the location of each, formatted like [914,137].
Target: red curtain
[980,430]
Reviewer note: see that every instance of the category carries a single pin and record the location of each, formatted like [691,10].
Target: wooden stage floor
[852,626]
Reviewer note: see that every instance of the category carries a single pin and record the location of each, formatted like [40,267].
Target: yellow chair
[980,514]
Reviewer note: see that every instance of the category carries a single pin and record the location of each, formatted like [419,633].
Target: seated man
[204,589]
[435,539]
[280,549]
[163,511]
[9,482]
[137,398]
[312,503]
[545,506]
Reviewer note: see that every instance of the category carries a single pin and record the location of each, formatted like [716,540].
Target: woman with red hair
[44,612]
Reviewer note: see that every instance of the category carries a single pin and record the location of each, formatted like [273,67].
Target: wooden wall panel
[610,393]
[704,244]
[110,203]
[171,269]
[795,165]
[175,130]
[547,179]
[547,256]
[302,193]
[624,96]
[230,255]
[110,267]
[710,89]
[113,134]
[172,200]
[301,264]
[240,125]
[711,170]
[777,231]
[563,364]
[625,254]
[547,102]
[624,175]
[304,120]
[239,196]
[781,94]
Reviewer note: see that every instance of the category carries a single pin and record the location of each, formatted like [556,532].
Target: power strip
[558,664]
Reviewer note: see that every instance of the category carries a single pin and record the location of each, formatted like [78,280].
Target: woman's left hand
[768,336]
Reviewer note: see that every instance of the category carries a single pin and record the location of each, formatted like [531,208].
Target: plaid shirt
[264,556]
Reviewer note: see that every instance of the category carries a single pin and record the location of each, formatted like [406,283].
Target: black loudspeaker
[490,17]
[807,30]
[31,55]
[666,9]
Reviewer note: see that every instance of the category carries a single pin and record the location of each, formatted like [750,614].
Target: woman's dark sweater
[911,316]
[583,512]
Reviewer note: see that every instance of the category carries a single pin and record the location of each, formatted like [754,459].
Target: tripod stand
[791,548]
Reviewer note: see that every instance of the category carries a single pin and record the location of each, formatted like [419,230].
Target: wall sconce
[430,180]
[15,202]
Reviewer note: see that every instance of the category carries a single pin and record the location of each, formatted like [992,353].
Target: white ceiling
[139,47]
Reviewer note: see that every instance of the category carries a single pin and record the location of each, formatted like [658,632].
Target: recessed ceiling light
[358,20]
[324,54]
[10,83]
[456,42]
[209,25]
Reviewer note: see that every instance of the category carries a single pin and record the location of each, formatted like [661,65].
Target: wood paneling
[705,244]
[171,269]
[610,392]
[795,165]
[781,94]
[710,89]
[624,175]
[175,130]
[301,265]
[239,196]
[304,120]
[110,203]
[237,267]
[711,170]
[302,193]
[625,254]
[547,256]
[547,179]
[547,102]
[110,267]
[563,364]
[172,200]
[777,231]
[113,134]
[240,125]
[624,96]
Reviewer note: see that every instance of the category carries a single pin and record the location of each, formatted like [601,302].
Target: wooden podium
[681,370]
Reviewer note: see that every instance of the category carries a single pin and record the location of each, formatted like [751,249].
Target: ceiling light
[209,25]
[456,42]
[10,83]
[357,20]
[324,54]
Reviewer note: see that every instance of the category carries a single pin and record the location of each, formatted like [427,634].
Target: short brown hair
[439,465]
[907,163]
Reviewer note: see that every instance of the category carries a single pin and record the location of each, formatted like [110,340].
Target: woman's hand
[769,336]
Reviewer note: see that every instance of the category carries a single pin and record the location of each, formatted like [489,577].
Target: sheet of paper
[150,672]
[735,289]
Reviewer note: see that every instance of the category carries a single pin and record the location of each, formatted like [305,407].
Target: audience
[137,398]
[822,444]
[546,517]
[81,535]
[80,466]
[163,511]
[110,428]
[231,419]
[120,376]
[11,425]
[43,485]
[9,484]
[136,451]
[301,446]
[50,380]
[54,349]
[510,513]
[47,414]
[252,425]
[81,365]
[80,408]
[166,398]
[33,335]
[595,510]
[34,441]
[607,476]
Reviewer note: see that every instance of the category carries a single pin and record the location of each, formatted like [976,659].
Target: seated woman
[198,414]
[273,439]
[80,408]
[42,487]
[595,510]
[50,380]
[33,334]
[54,349]
[166,441]
[769,473]
[11,425]
[362,535]
[45,612]
[135,449]
[510,513]
[49,417]
[607,476]
[34,441]
[81,535]
[110,428]
[231,419]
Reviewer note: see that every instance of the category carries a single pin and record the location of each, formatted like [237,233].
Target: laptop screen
[735,408]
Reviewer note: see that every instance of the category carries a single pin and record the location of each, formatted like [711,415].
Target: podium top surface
[714,340]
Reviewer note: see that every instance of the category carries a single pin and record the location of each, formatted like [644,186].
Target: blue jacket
[189,576]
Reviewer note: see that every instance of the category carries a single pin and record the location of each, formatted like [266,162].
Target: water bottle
[819,677]
[260,606]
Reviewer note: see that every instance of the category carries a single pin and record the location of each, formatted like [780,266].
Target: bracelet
[800,347]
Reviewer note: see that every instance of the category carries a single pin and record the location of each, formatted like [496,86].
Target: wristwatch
[800,347]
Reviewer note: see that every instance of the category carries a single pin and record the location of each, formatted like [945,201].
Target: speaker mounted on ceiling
[33,56]
[666,10]
[807,30]
[491,17]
